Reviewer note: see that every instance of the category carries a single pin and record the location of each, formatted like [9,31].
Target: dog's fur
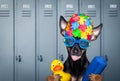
[77,68]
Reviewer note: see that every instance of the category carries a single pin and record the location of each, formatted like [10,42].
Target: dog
[77,67]
[77,62]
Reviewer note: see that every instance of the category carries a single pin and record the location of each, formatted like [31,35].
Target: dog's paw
[53,78]
[95,77]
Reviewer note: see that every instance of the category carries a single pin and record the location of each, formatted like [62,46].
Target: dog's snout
[76,50]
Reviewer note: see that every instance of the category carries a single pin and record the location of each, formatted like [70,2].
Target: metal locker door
[46,37]
[111,39]
[66,8]
[6,40]
[92,8]
[25,40]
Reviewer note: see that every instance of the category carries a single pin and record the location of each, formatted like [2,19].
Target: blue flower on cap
[74,25]
[88,23]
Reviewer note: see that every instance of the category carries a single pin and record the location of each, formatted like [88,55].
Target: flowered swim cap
[79,26]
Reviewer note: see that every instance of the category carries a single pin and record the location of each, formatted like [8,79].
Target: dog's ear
[96,32]
[62,25]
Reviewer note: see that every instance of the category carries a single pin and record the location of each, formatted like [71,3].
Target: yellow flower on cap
[82,21]
[84,35]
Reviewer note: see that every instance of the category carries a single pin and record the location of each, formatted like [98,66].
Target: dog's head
[78,32]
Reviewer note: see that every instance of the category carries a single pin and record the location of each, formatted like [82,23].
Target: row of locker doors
[27,39]
[30,39]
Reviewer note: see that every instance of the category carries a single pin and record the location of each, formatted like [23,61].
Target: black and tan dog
[77,66]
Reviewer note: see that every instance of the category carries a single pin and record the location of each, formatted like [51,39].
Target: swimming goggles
[70,41]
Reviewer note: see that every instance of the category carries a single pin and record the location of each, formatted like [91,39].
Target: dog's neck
[76,68]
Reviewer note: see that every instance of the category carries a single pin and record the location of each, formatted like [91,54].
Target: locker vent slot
[4,13]
[68,13]
[113,13]
[48,13]
[26,13]
[91,13]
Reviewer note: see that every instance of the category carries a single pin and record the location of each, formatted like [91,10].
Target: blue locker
[92,8]
[66,8]
[111,38]
[6,40]
[46,37]
[25,40]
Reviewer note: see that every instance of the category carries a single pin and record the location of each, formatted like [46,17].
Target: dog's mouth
[75,58]
[76,53]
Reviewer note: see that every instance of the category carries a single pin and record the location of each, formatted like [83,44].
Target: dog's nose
[76,50]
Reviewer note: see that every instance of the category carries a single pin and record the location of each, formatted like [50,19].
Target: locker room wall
[46,37]
[6,40]
[111,39]
[25,40]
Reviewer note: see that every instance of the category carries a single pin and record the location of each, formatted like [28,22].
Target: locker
[25,40]
[6,40]
[111,38]
[46,37]
[92,8]
[66,8]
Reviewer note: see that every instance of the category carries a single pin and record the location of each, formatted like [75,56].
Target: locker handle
[19,58]
[16,58]
[61,57]
[106,57]
[40,58]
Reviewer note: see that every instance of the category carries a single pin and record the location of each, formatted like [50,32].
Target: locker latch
[40,58]
[61,57]
[106,57]
[18,58]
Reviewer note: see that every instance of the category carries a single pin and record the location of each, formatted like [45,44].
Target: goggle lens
[69,41]
[84,44]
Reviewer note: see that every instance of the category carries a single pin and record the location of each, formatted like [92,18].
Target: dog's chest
[74,79]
